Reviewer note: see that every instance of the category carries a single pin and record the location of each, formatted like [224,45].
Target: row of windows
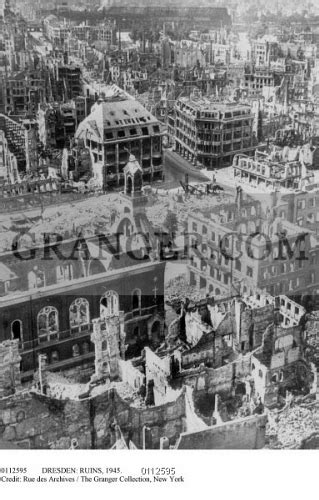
[221,260]
[245,212]
[276,377]
[37,278]
[283,268]
[301,204]
[79,314]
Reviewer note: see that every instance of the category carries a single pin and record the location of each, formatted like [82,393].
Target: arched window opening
[129,185]
[48,323]
[79,314]
[109,304]
[16,330]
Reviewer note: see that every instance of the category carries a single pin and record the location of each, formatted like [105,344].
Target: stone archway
[109,304]
[155,330]
[129,185]
[16,329]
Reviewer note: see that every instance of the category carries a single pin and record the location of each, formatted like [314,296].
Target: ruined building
[115,128]
[268,171]
[210,133]
[246,247]
[48,298]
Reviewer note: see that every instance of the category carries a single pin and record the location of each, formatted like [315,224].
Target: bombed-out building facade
[51,293]
[246,247]
[115,128]
[159,230]
[210,133]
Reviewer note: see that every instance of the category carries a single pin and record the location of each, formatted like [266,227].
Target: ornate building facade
[51,294]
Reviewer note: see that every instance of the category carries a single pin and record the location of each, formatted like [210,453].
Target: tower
[133,183]
[108,337]
[133,176]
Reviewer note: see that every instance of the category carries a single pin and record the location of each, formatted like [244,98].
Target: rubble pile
[126,392]
[289,428]
[157,211]
[182,205]
[59,387]
[82,217]
[178,289]
[69,220]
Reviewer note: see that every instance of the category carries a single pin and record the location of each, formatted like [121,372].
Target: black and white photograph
[159,231]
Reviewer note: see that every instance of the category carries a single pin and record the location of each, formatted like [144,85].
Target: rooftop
[201,103]
[117,112]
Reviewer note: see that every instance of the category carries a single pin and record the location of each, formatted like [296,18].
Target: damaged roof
[119,112]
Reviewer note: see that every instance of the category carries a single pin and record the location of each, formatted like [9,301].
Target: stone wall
[216,380]
[26,307]
[253,325]
[242,434]
[166,420]
[37,422]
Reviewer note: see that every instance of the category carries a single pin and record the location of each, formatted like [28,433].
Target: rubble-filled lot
[175,200]
[60,387]
[288,428]
[97,214]
[68,220]
[178,289]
